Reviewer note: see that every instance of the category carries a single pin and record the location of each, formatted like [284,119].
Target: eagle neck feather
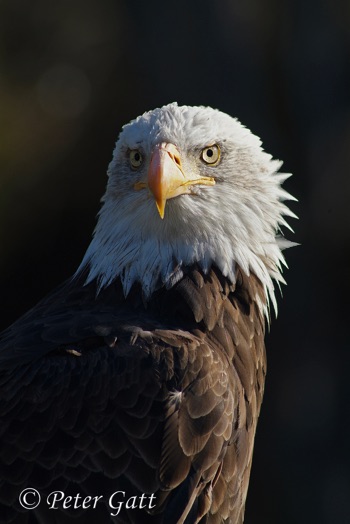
[157,262]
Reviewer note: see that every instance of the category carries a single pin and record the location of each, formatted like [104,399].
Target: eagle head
[188,185]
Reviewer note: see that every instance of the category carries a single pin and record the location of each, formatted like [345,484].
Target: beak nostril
[174,157]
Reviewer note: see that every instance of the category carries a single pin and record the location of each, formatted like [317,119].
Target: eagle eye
[211,155]
[135,158]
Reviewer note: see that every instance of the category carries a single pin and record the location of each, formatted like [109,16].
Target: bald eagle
[131,393]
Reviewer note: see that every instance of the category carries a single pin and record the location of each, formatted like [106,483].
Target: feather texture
[167,410]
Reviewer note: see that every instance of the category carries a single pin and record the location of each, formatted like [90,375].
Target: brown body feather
[104,394]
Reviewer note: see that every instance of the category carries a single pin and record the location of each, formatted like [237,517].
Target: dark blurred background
[72,73]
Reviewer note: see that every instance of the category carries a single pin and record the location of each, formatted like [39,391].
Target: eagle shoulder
[159,398]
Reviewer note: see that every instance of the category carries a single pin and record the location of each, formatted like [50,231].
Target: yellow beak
[166,178]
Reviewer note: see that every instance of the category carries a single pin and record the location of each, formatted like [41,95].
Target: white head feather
[234,222]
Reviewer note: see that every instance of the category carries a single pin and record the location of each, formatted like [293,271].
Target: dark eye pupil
[210,153]
[137,157]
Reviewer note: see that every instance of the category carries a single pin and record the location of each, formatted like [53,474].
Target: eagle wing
[102,395]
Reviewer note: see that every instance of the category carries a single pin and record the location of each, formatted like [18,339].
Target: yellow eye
[135,158]
[211,155]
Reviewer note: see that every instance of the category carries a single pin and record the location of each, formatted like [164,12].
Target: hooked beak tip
[161,208]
